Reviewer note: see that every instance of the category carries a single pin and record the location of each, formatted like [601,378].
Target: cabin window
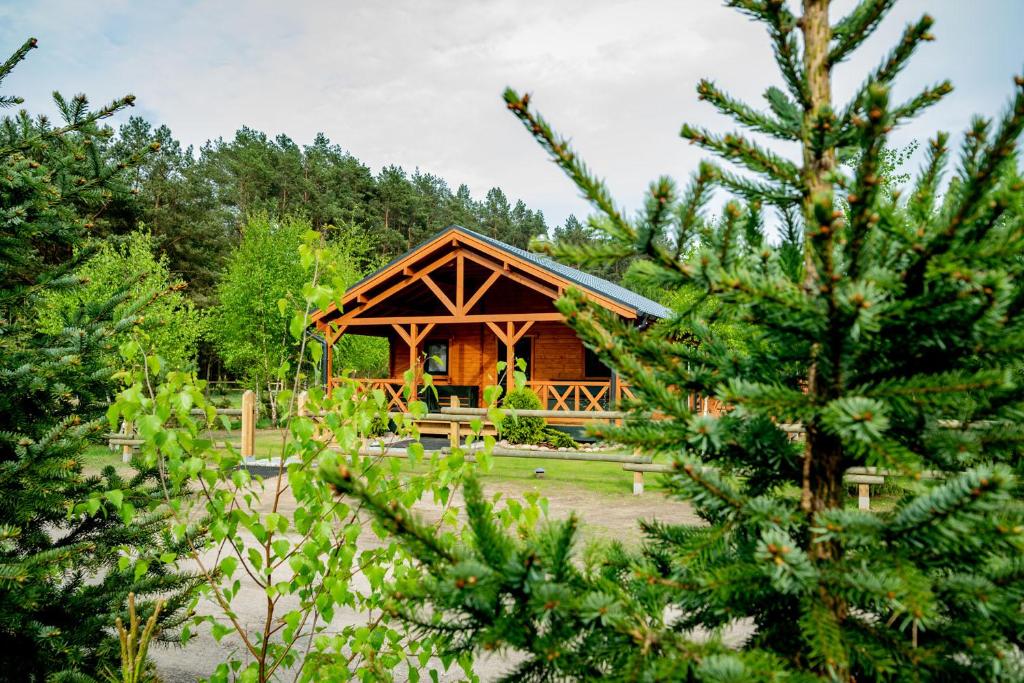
[437,356]
[593,367]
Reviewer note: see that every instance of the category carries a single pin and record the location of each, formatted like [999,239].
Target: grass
[604,478]
[98,456]
[601,478]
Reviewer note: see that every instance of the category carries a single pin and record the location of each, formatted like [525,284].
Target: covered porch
[460,304]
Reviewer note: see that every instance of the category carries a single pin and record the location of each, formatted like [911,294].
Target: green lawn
[602,478]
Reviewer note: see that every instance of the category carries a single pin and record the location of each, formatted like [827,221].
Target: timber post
[413,361]
[126,449]
[510,357]
[249,424]
[864,496]
[638,477]
[455,437]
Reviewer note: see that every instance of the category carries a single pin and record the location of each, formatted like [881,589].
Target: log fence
[459,418]
[128,440]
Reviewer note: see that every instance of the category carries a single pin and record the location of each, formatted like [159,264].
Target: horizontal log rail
[463,414]
[128,439]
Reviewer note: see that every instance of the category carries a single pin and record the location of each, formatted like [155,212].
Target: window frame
[428,356]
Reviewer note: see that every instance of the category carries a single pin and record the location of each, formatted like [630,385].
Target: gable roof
[643,306]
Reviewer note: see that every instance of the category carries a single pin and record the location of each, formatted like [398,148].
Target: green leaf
[228,565]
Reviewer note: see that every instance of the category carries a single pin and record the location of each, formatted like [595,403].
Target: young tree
[170,326]
[250,325]
[68,559]
[906,328]
[250,329]
[304,554]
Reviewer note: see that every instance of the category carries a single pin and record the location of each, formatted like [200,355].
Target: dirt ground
[604,516]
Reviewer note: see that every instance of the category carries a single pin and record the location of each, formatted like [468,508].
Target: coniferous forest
[818,367]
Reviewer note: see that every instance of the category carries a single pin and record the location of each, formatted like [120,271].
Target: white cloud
[419,84]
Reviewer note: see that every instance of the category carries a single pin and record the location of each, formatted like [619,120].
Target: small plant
[379,426]
[520,429]
[134,646]
[517,428]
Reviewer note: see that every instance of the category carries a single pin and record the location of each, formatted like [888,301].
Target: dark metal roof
[641,304]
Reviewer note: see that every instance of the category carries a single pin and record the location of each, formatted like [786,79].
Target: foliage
[896,343]
[574,238]
[68,560]
[266,276]
[249,329]
[519,429]
[172,195]
[196,202]
[171,325]
[311,562]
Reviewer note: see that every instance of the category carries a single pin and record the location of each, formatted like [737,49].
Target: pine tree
[896,341]
[67,559]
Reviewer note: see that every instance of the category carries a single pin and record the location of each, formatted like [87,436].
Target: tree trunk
[822,476]
[823,454]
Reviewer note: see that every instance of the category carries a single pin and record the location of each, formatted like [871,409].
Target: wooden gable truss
[359,304]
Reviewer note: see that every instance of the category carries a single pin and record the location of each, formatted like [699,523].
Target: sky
[419,83]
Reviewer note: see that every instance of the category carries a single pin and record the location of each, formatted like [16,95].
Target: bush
[379,426]
[530,430]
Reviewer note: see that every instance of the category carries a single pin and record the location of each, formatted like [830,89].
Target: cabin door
[523,349]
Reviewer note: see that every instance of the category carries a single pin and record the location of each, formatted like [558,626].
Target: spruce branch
[851,31]
[782,30]
[736,148]
[561,153]
[781,128]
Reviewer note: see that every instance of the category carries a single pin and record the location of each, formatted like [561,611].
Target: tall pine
[68,559]
[896,341]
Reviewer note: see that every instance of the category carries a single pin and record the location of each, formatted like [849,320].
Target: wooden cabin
[461,302]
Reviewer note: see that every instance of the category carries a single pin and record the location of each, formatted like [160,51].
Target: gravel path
[604,516]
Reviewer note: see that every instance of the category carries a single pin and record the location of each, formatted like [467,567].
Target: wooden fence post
[638,478]
[455,437]
[248,424]
[864,496]
[126,449]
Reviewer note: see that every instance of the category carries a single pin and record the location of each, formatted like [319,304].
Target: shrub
[519,429]
[530,430]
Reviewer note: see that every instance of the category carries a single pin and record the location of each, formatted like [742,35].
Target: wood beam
[413,360]
[463,240]
[403,334]
[510,356]
[455,319]
[415,277]
[332,338]
[442,297]
[515,277]
[522,330]
[423,334]
[424,251]
[460,283]
[498,332]
[480,292]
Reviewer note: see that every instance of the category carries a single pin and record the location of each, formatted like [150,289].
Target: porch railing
[572,394]
[557,395]
[392,389]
